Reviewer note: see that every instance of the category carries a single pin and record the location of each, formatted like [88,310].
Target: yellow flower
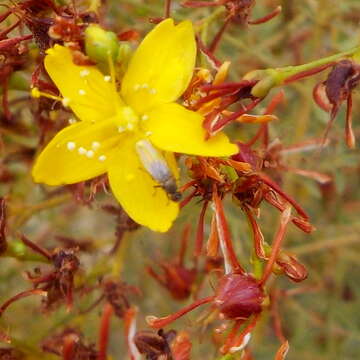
[113,122]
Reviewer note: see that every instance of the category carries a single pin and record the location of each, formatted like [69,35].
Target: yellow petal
[87,91]
[137,192]
[162,66]
[174,128]
[77,153]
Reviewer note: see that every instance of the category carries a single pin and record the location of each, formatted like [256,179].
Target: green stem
[289,71]
[273,77]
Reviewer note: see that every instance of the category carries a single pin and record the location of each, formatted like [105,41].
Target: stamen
[102,158]
[71,145]
[95,145]
[82,92]
[36,93]
[89,153]
[82,151]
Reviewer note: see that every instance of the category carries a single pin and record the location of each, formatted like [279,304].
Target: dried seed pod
[239,296]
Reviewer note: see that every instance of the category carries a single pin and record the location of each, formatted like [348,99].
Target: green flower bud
[99,44]
[124,55]
[267,80]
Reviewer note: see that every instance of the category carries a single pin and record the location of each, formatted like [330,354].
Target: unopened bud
[239,296]
[292,268]
[100,44]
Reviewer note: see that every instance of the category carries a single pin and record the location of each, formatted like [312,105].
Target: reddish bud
[239,296]
[291,267]
[152,344]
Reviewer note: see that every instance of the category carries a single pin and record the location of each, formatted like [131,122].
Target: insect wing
[153,161]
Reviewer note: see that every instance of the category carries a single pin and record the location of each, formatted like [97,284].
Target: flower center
[126,119]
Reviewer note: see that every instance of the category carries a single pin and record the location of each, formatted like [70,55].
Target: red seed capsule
[239,296]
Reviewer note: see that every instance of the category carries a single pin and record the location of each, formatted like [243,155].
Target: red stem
[8,29]
[236,85]
[224,233]
[35,247]
[275,102]
[214,44]
[68,351]
[247,330]
[104,331]
[158,323]
[258,237]
[266,18]
[11,42]
[21,295]
[349,134]
[276,246]
[188,199]
[277,189]
[306,73]
[200,231]
[5,99]
[224,121]
[210,56]
[167,8]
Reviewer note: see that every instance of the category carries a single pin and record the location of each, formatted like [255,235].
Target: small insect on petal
[157,167]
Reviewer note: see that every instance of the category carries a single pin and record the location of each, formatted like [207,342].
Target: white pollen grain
[102,158]
[153,91]
[107,78]
[145,86]
[82,92]
[72,121]
[145,117]
[82,151]
[65,102]
[89,153]
[137,87]
[121,129]
[148,133]
[130,126]
[84,72]
[95,145]
[71,145]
